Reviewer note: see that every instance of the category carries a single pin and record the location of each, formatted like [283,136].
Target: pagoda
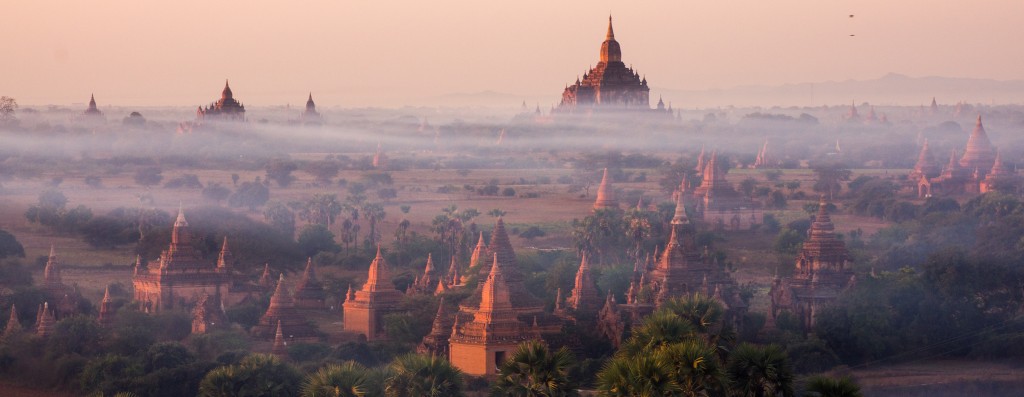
[719,204]
[608,86]
[107,313]
[280,347]
[979,153]
[821,272]
[680,270]
[763,160]
[925,166]
[1000,178]
[427,282]
[45,321]
[224,109]
[309,114]
[364,310]
[584,298]
[478,259]
[309,294]
[969,173]
[181,275]
[481,345]
[13,325]
[436,342]
[53,285]
[282,309]
[208,315]
[605,194]
[92,110]
[380,159]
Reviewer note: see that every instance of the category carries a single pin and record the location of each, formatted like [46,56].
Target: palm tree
[760,371]
[704,312]
[659,329]
[255,375]
[349,379]
[635,376]
[534,371]
[823,386]
[416,375]
[695,367]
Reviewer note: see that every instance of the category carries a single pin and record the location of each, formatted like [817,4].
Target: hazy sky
[391,53]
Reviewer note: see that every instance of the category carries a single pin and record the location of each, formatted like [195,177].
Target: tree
[416,375]
[256,375]
[216,192]
[496,213]
[534,370]
[323,171]
[374,213]
[349,379]
[250,195]
[822,386]
[148,176]
[747,186]
[316,238]
[321,209]
[9,246]
[760,371]
[7,108]
[280,171]
[641,375]
[280,217]
[829,177]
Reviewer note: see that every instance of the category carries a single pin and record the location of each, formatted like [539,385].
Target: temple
[428,282]
[680,270]
[55,290]
[364,310]
[500,313]
[282,313]
[436,342]
[224,109]
[92,110]
[309,114]
[584,299]
[380,159]
[107,313]
[609,86]
[605,194]
[208,315]
[493,330]
[821,273]
[309,293]
[968,174]
[180,276]
[719,204]
[13,326]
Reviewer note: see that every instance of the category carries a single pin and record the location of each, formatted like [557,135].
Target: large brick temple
[610,85]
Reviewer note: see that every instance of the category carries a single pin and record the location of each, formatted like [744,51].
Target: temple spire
[13,325]
[605,194]
[611,32]
[226,94]
[378,277]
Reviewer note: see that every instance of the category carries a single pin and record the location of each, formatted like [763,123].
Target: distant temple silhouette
[226,108]
[608,86]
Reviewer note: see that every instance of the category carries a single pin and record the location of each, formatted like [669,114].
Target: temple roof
[226,94]
[979,152]
[378,277]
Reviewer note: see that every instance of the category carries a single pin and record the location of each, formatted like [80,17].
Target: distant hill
[891,89]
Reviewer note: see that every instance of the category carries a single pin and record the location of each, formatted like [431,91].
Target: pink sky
[392,53]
